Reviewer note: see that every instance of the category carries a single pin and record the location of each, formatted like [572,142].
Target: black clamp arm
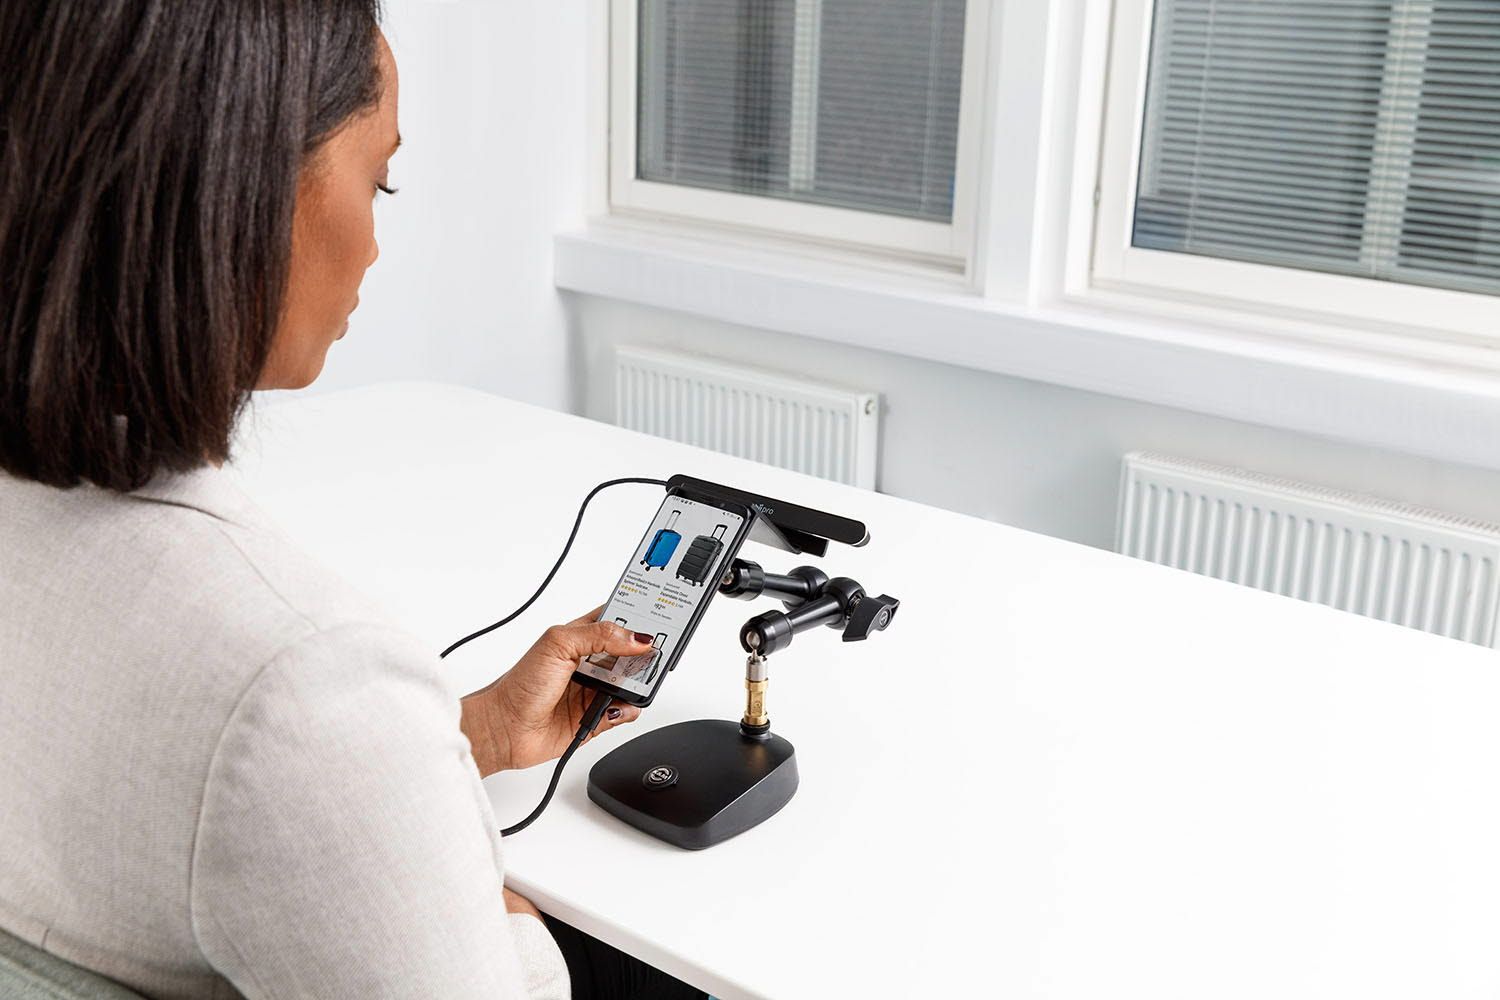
[811,599]
[745,581]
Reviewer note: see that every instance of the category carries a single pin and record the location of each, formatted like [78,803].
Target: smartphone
[665,589]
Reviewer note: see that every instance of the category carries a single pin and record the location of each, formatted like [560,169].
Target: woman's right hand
[531,714]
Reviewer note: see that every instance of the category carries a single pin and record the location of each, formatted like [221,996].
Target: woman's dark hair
[149,156]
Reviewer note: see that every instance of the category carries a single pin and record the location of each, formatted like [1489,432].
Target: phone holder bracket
[782,525]
[695,784]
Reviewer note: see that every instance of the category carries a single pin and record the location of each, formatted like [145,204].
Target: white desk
[1061,773]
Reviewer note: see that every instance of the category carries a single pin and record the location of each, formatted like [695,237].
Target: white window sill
[1443,409]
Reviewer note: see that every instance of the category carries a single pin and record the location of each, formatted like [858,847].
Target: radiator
[1387,560]
[796,424]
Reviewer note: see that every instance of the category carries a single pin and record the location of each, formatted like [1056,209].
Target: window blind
[850,103]
[1358,137]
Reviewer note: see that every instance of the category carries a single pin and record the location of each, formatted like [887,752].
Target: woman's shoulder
[232,534]
[171,656]
[187,565]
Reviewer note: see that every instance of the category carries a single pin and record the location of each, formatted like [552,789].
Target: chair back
[28,973]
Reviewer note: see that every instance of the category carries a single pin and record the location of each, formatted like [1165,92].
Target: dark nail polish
[642,637]
[613,714]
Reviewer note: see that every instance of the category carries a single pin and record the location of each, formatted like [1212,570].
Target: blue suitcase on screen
[663,545]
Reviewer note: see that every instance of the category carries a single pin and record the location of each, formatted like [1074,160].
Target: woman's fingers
[627,713]
[579,639]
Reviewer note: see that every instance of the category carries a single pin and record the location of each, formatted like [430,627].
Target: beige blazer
[221,774]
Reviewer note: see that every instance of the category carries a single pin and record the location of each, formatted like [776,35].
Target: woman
[222,774]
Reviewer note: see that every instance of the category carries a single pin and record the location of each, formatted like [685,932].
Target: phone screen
[674,573]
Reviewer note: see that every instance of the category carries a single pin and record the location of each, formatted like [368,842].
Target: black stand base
[696,783]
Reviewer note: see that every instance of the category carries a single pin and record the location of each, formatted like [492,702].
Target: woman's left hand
[530,715]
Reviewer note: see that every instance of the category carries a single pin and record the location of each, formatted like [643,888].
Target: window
[840,120]
[1324,156]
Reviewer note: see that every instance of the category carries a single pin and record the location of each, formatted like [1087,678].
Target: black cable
[555,567]
[590,722]
[601,700]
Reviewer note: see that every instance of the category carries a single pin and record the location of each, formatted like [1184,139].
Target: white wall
[1038,456]
[493,115]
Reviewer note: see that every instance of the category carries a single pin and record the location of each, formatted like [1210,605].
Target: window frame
[1026,308]
[1338,300]
[946,244]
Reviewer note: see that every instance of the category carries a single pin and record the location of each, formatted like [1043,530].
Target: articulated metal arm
[811,599]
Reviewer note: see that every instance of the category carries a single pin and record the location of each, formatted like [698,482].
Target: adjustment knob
[871,614]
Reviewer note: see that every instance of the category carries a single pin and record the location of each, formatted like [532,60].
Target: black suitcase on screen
[701,556]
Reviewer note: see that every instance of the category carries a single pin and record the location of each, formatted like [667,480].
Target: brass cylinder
[755,703]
